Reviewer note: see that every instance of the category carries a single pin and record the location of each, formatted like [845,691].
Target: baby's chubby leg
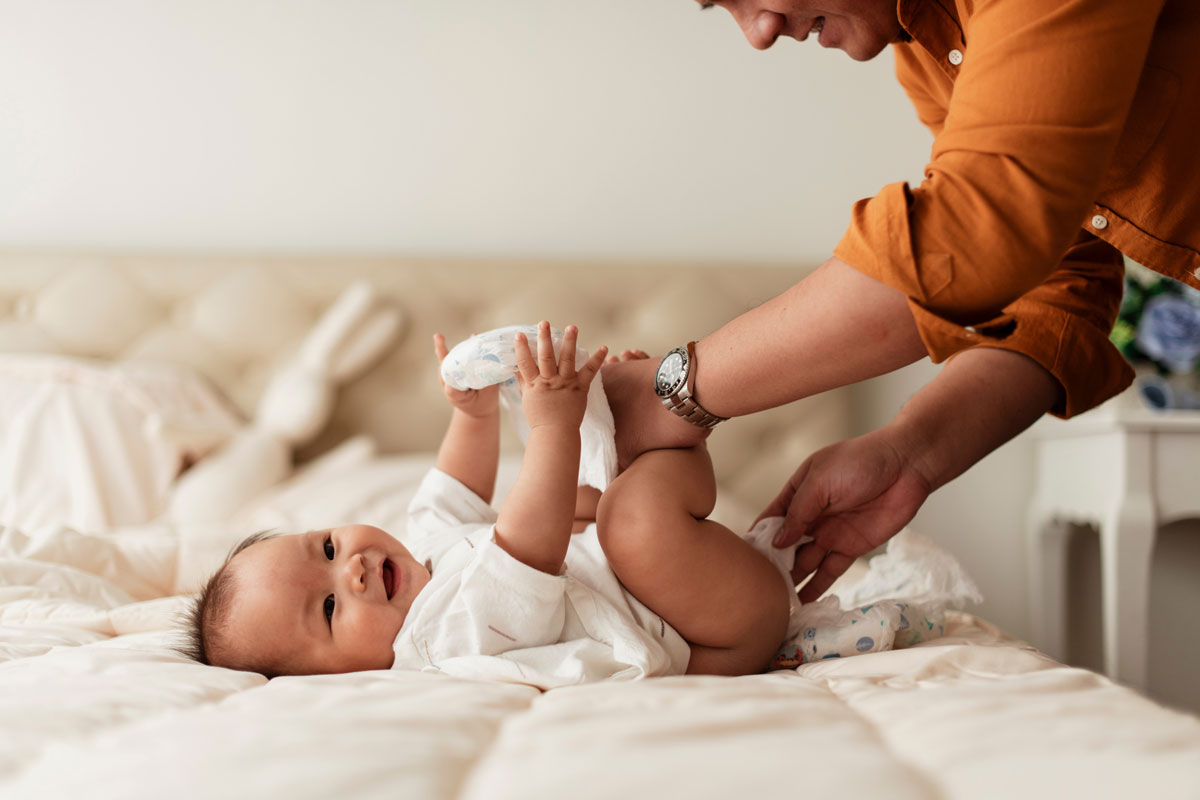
[722,595]
[586,500]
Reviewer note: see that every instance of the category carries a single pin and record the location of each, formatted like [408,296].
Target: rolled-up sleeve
[1037,107]
[1063,325]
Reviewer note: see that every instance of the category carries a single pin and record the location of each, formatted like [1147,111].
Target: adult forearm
[981,399]
[834,328]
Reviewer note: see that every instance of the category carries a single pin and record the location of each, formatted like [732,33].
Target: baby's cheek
[385,628]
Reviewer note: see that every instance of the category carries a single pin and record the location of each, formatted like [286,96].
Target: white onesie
[486,615]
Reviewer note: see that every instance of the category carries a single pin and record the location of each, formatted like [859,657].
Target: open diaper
[900,602]
[488,358]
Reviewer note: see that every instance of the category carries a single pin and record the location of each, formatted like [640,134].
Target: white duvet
[94,703]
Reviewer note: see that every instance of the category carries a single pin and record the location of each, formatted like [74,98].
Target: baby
[533,593]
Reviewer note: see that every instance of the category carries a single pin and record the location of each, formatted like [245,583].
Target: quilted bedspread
[95,703]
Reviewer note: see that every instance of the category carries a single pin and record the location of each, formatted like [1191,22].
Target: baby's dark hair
[204,621]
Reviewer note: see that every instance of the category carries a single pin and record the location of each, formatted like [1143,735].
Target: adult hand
[641,420]
[850,497]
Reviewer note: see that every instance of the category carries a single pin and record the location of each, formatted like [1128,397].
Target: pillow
[90,444]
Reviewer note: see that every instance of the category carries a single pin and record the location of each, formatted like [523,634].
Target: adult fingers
[566,361]
[796,504]
[808,558]
[832,567]
[545,351]
[808,502]
[527,370]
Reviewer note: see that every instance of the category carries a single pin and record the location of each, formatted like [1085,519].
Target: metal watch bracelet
[683,404]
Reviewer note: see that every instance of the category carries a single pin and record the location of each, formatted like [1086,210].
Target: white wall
[625,128]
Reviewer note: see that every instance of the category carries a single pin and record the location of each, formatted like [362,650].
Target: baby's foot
[627,355]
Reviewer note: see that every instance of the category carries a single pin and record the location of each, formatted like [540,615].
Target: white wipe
[489,358]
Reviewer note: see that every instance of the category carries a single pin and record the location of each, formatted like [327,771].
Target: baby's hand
[472,402]
[554,393]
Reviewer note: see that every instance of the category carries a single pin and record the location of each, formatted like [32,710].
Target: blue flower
[1169,332]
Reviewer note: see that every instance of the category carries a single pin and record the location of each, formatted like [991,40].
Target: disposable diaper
[488,358]
[900,602]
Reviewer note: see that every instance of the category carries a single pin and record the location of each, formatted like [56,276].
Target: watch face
[670,374]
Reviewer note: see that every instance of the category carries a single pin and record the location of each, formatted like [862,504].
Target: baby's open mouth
[389,579]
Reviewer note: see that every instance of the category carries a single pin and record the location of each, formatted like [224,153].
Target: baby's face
[323,602]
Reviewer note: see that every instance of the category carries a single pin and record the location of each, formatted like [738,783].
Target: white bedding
[94,703]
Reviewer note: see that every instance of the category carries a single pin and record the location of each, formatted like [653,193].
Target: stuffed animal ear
[350,335]
[366,344]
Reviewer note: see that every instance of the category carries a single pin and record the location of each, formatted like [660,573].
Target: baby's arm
[470,450]
[534,524]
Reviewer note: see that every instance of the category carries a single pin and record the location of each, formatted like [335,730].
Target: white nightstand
[1126,471]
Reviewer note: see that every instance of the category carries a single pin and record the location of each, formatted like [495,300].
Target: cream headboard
[234,318]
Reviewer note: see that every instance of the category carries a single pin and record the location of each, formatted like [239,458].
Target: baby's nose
[356,573]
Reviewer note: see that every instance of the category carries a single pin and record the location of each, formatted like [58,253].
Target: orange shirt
[1065,131]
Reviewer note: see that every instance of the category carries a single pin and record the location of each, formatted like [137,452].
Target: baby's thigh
[699,576]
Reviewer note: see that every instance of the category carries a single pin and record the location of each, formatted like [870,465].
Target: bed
[152,369]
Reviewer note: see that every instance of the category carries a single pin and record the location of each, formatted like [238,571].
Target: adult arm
[853,496]
[1034,116]
[834,327]
[838,327]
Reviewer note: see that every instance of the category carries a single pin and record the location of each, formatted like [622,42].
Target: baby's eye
[329,609]
[329,548]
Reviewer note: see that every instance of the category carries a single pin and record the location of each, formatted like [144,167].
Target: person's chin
[860,45]
[862,52]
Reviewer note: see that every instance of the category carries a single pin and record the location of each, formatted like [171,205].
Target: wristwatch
[674,383]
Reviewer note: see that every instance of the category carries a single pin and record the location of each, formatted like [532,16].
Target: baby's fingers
[439,347]
[593,365]
[545,354]
[527,370]
[566,364]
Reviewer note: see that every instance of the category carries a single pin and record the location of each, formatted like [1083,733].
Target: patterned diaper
[490,358]
[901,601]
[829,632]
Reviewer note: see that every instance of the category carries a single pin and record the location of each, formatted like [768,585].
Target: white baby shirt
[484,614]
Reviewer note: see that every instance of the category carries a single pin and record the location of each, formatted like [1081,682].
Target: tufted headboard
[234,318]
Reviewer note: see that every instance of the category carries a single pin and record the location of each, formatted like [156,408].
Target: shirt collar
[933,26]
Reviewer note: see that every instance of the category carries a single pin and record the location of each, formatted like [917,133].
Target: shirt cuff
[1078,354]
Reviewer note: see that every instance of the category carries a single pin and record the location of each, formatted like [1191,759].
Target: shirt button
[1099,222]
[955,57]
